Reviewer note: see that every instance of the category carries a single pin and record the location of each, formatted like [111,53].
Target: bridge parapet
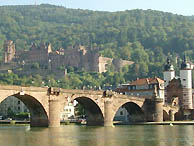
[130,97]
[76,91]
[24,88]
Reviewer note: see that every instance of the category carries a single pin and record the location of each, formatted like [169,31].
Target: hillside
[146,37]
[64,27]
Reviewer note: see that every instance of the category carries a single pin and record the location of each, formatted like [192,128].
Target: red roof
[139,82]
[145,81]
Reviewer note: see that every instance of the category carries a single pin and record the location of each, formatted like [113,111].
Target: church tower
[186,82]
[168,73]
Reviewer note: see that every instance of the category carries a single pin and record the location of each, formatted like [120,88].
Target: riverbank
[156,123]
[115,122]
[13,122]
[28,122]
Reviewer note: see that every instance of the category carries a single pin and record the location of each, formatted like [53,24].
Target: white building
[68,112]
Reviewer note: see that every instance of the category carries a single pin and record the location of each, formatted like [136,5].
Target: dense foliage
[145,37]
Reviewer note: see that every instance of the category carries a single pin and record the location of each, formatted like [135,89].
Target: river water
[73,135]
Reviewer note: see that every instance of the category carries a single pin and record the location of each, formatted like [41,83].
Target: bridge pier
[94,120]
[54,107]
[158,110]
[108,115]
[54,113]
[37,121]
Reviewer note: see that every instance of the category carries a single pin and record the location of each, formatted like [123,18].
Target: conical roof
[185,64]
[168,66]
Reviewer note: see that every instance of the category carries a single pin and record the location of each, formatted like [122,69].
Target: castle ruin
[79,57]
[9,48]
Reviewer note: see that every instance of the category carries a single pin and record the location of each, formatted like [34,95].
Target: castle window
[185,94]
[18,108]
[18,102]
[106,66]
[184,79]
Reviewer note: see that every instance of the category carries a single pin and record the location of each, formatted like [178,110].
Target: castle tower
[186,82]
[168,73]
[9,48]
[49,48]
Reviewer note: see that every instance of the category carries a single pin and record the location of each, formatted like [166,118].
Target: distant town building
[121,115]
[68,112]
[12,104]
[143,87]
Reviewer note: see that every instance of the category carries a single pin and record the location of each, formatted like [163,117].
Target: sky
[181,7]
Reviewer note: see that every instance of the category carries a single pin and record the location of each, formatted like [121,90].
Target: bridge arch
[38,113]
[94,114]
[134,109]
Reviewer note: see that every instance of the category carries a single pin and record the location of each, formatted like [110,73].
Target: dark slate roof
[168,66]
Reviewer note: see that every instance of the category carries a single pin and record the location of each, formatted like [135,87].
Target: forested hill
[144,36]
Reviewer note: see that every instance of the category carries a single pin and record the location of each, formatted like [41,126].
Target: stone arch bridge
[45,104]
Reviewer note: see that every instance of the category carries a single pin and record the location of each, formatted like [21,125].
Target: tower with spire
[186,82]
[183,87]
[168,73]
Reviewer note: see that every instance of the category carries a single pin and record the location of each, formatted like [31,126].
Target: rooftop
[146,81]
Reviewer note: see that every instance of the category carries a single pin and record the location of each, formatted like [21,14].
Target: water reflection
[73,135]
[186,135]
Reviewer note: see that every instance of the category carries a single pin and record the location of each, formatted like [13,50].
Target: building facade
[122,115]
[68,112]
[143,88]
[12,105]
